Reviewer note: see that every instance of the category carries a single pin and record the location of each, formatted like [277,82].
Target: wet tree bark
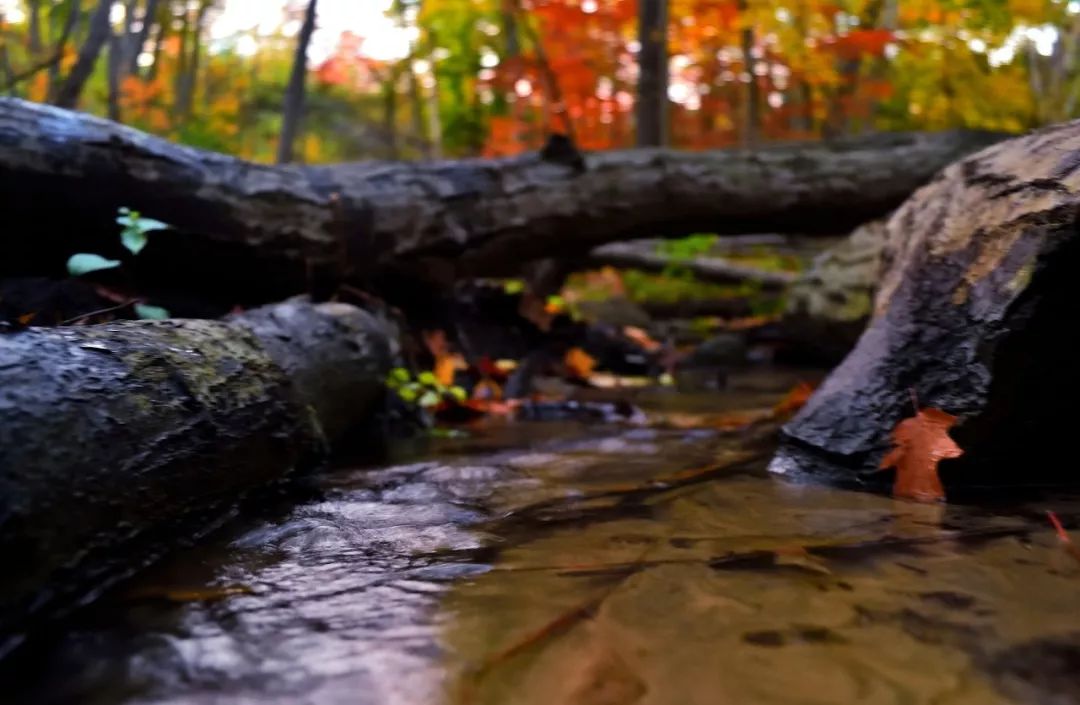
[978,288]
[112,437]
[252,232]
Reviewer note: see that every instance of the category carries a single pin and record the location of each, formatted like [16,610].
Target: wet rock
[829,305]
[719,350]
[977,290]
[615,311]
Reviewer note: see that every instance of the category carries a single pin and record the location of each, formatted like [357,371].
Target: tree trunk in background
[751,132]
[115,438]
[33,30]
[416,112]
[5,68]
[67,95]
[159,43]
[66,33]
[293,112]
[137,41]
[390,131]
[510,29]
[652,99]
[251,232]
[189,75]
[114,69]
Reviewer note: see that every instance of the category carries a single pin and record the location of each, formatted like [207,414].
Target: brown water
[588,563]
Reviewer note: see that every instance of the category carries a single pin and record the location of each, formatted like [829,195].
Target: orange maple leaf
[922,442]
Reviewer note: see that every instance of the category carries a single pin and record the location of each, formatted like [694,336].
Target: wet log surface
[113,437]
[252,232]
[972,316]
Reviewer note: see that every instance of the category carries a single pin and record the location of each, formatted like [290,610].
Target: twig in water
[1063,535]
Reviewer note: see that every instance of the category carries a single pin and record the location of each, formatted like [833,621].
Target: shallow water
[588,563]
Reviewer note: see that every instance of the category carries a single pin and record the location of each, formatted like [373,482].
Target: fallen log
[252,232]
[629,255]
[971,315]
[113,437]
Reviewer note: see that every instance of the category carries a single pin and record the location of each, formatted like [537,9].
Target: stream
[581,562]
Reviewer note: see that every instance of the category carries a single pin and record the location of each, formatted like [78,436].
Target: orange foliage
[922,442]
[794,400]
[579,363]
[591,59]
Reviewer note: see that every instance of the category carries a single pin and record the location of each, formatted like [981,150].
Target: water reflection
[567,563]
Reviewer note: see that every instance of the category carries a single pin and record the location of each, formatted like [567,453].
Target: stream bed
[581,562]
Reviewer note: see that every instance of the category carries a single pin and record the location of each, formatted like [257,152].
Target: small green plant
[134,238]
[687,247]
[424,391]
[136,228]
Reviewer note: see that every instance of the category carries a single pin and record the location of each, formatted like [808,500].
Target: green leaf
[84,263]
[133,239]
[428,379]
[407,394]
[151,313]
[148,225]
[399,374]
[458,393]
[429,399]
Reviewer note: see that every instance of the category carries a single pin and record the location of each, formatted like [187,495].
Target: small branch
[99,312]
[711,269]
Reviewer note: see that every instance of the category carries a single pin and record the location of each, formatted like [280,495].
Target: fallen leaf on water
[24,320]
[734,420]
[487,389]
[642,338]
[922,442]
[795,400]
[446,366]
[579,363]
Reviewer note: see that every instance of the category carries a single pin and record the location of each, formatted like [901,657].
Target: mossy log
[977,294]
[252,232]
[114,436]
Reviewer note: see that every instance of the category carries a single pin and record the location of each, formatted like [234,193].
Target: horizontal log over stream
[64,174]
[113,437]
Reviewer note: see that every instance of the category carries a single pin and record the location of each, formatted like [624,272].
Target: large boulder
[978,292]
